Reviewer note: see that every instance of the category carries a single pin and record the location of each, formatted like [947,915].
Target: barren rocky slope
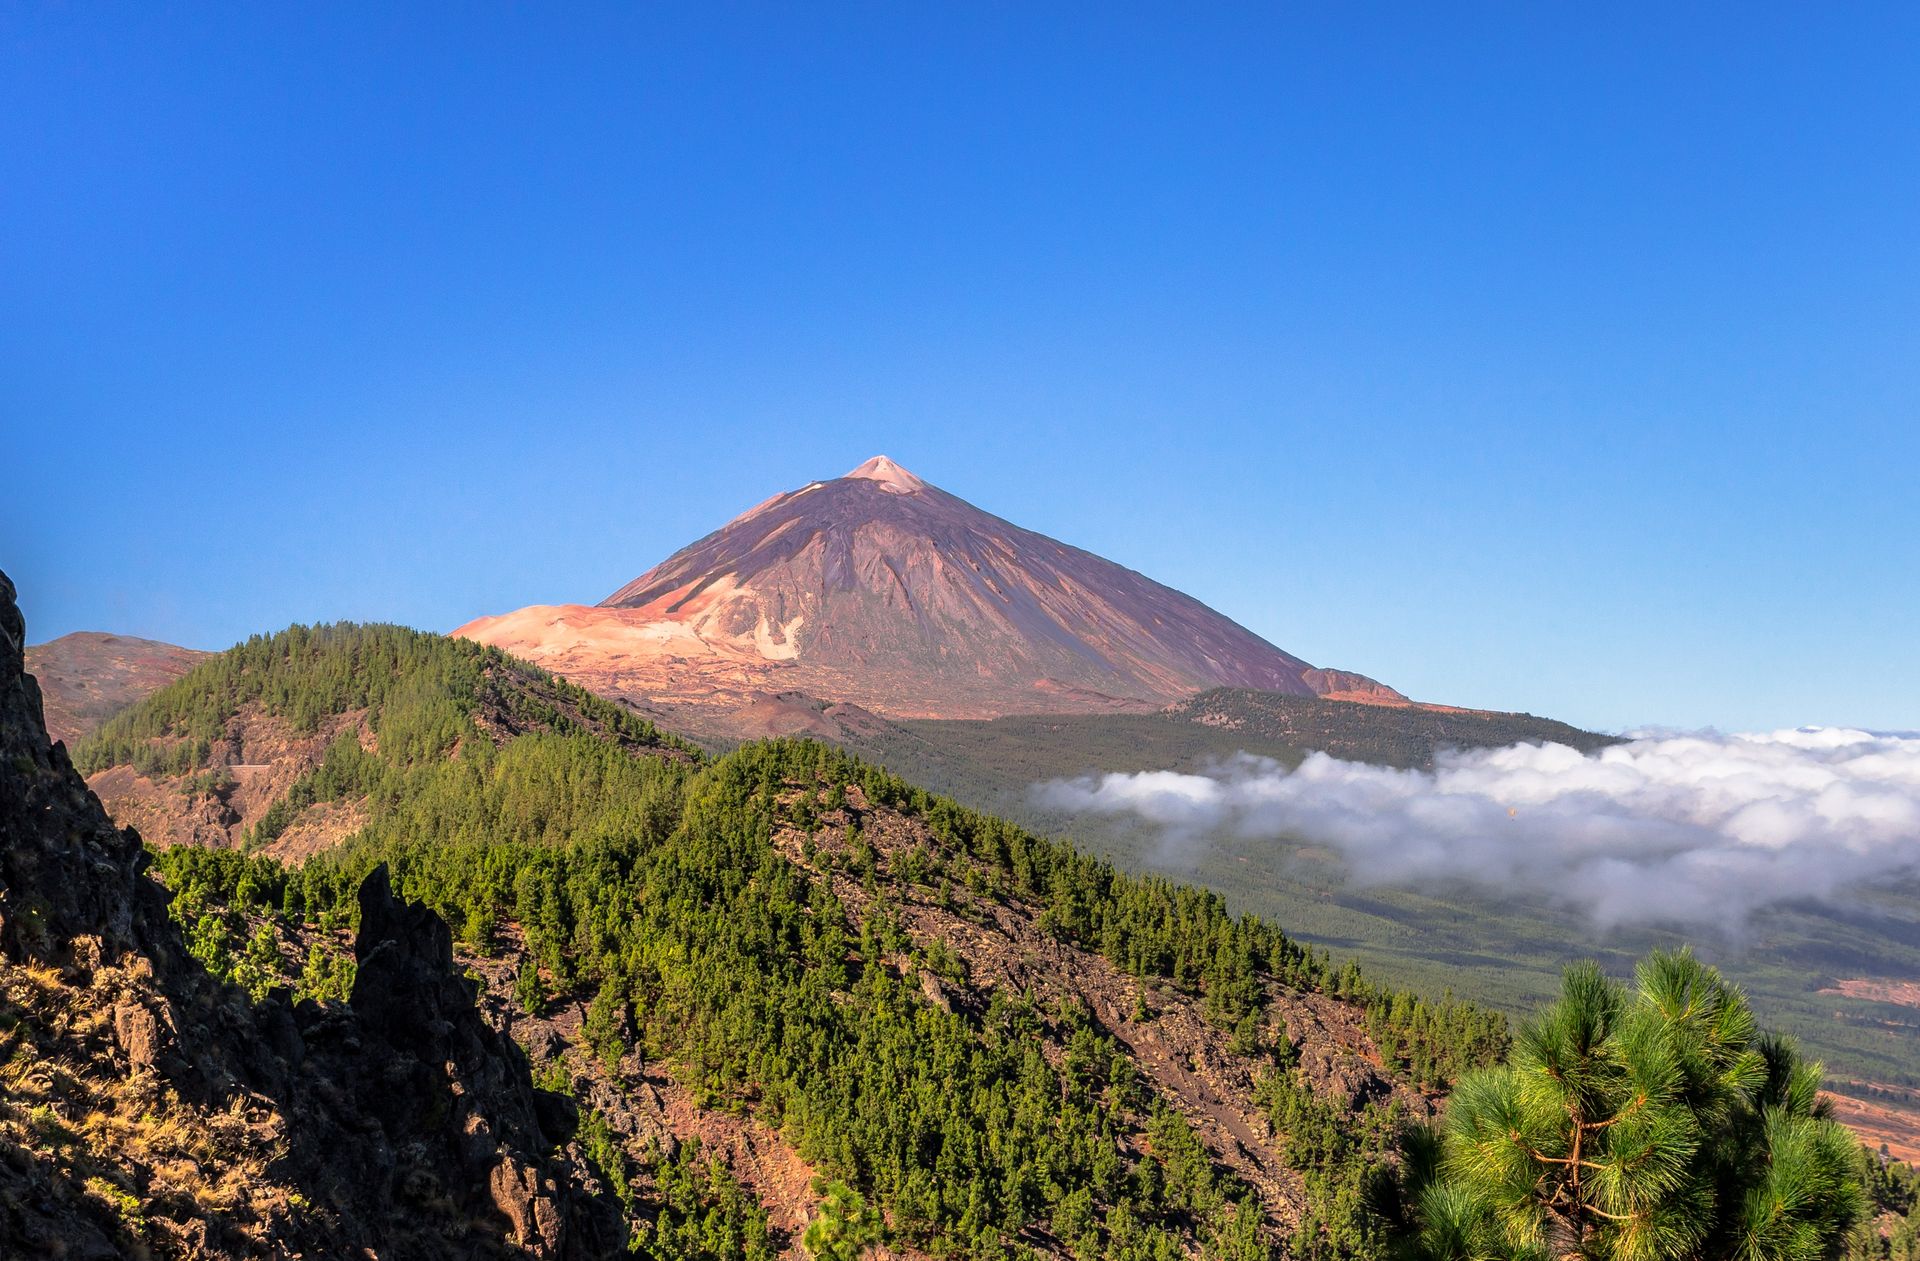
[88,677]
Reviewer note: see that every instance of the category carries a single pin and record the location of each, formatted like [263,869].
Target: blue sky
[1526,356]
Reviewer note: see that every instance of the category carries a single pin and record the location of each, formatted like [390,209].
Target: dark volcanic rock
[399,1125]
[465,1078]
[65,871]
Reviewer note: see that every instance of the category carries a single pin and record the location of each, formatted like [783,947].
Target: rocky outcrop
[447,1074]
[66,873]
[146,1109]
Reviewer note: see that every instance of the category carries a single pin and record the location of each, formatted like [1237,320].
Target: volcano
[881,590]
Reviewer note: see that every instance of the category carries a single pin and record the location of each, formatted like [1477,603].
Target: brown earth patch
[259,757]
[758,1156]
[1891,1117]
[1877,990]
[320,826]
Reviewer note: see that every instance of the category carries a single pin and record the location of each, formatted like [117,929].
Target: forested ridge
[650,888]
[699,943]
[756,930]
[421,693]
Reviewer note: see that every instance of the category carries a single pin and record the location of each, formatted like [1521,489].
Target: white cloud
[1686,829]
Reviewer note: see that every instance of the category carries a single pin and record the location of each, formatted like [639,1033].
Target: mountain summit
[880,589]
[889,475]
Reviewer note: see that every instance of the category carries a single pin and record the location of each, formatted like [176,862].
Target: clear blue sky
[1535,356]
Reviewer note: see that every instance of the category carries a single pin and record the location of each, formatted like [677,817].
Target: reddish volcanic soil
[883,591]
[87,677]
[1893,1119]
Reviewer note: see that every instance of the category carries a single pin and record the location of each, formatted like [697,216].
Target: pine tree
[527,990]
[258,968]
[1629,1127]
[845,1228]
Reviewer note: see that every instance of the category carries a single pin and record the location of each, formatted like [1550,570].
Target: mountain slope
[992,764]
[1407,736]
[882,590]
[88,677]
[282,741]
[816,968]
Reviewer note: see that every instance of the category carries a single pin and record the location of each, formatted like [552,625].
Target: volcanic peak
[889,475]
[884,591]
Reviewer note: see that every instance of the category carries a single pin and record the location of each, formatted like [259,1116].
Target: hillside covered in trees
[312,725]
[811,946]
[800,1003]
[1502,948]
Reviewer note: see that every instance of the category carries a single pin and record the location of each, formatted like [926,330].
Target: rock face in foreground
[146,1109]
[882,590]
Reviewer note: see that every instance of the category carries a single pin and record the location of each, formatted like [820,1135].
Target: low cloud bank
[1665,829]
